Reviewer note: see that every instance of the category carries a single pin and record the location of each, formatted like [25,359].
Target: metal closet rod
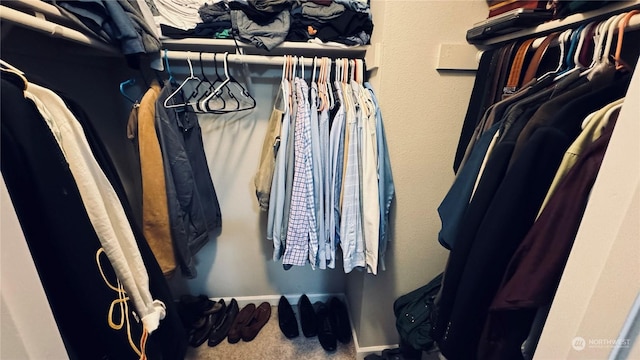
[233,58]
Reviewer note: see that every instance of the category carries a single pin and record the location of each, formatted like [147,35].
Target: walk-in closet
[244,179]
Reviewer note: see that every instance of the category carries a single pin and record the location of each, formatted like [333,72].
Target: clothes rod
[634,24]
[52,29]
[233,58]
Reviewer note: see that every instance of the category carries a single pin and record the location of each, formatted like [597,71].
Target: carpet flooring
[272,344]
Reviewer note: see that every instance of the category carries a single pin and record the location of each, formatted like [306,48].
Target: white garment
[181,14]
[369,161]
[102,204]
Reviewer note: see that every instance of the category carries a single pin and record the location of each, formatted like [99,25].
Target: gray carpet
[272,344]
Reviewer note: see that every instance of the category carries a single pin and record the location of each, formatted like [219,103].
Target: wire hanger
[204,103]
[189,78]
[244,94]
[128,83]
[172,80]
[191,99]
[211,87]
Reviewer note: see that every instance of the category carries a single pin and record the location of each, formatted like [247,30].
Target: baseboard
[361,352]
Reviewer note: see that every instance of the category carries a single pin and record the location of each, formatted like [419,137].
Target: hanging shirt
[370,191]
[317,252]
[326,252]
[276,200]
[336,150]
[386,188]
[351,234]
[302,224]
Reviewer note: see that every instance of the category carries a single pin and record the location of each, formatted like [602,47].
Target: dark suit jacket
[63,242]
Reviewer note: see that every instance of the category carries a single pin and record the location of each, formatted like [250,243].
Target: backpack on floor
[413,313]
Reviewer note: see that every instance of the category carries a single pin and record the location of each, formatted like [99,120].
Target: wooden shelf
[562,24]
[286,48]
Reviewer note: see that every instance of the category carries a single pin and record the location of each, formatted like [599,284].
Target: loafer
[258,320]
[326,336]
[220,331]
[287,319]
[244,316]
[340,320]
[199,336]
[193,310]
[308,320]
[199,305]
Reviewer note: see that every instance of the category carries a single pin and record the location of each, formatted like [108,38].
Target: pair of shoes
[287,319]
[243,318]
[308,318]
[199,335]
[332,323]
[249,322]
[225,320]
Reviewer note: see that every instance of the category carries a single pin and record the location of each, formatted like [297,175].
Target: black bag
[414,315]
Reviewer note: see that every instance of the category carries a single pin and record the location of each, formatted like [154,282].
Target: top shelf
[563,24]
[286,48]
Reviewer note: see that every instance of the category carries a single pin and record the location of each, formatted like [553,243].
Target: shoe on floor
[260,317]
[326,334]
[244,316]
[308,320]
[220,331]
[340,320]
[287,319]
[200,335]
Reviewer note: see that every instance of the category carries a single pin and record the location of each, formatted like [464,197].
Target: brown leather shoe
[259,318]
[244,317]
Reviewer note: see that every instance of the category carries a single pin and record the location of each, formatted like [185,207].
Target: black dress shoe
[220,331]
[340,320]
[193,310]
[287,319]
[199,336]
[326,336]
[308,320]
